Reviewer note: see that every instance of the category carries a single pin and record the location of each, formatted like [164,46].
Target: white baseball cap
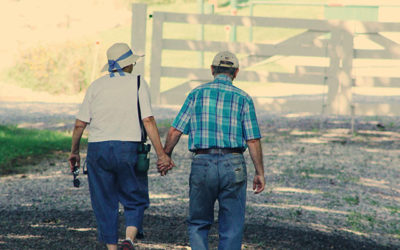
[121,54]
[225,59]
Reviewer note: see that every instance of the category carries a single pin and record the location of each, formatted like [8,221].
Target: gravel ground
[326,189]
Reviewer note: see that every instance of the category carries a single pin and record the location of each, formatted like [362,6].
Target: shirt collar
[222,78]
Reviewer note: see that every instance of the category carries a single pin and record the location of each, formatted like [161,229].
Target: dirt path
[325,188]
[310,201]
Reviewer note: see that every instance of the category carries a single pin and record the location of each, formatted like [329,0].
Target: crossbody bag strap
[142,129]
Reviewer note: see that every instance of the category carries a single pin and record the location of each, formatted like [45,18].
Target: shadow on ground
[55,229]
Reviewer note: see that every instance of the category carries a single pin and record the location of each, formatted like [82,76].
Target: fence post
[339,73]
[200,4]
[234,7]
[251,25]
[138,38]
[156,50]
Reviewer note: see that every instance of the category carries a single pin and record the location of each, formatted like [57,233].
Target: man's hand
[172,139]
[74,160]
[256,155]
[164,163]
[258,184]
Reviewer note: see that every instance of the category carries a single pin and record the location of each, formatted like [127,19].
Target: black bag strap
[142,129]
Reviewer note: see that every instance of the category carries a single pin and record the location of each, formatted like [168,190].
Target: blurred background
[58,47]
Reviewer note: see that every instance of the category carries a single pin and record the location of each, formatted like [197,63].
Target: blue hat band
[113,64]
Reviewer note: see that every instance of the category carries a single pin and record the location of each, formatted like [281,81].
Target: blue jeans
[112,179]
[222,177]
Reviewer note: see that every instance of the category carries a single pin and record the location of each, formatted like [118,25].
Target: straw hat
[119,55]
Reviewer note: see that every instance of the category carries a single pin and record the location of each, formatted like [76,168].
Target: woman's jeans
[112,179]
[223,178]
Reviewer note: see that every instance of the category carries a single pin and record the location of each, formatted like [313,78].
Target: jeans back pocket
[240,174]
[238,166]
[198,172]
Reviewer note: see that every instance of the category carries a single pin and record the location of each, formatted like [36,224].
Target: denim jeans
[222,178]
[112,179]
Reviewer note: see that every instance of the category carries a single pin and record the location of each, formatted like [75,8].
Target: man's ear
[235,74]
[212,70]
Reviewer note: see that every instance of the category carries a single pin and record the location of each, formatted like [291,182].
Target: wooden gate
[333,41]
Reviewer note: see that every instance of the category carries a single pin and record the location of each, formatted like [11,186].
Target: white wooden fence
[333,40]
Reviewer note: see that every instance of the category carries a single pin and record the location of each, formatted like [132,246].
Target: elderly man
[110,107]
[221,122]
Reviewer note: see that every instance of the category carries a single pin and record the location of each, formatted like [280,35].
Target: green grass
[361,222]
[393,209]
[164,123]
[366,222]
[372,202]
[352,201]
[348,178]
[19,147]
[295,214]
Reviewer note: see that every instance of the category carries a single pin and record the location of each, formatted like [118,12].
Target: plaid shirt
[218,115]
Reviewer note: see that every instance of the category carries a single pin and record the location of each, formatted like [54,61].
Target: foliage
[56,69]
[155,2]
[19,146]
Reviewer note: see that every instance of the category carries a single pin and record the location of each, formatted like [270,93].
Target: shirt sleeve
[250,125]
[84,113]
[182,120]
[144,99]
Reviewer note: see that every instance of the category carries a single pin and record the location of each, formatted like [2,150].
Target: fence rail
[332,40]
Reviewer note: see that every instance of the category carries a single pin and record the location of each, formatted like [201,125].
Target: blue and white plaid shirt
[218,115]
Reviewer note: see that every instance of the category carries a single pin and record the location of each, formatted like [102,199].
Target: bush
[151,2]
[56,69]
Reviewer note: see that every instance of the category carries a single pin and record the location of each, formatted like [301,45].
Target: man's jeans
[221,177]
[112,179]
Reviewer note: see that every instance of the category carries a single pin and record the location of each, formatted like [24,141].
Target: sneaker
[127,245]
[140,235]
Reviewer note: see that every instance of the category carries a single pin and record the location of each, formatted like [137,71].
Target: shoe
[140,235]
[127,245]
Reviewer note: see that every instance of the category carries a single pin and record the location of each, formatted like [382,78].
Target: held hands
[258,183]
[164,164]
[74,160]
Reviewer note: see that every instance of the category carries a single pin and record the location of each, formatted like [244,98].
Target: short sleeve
[182,120]
[250,125]
[84,110]
[144,100]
